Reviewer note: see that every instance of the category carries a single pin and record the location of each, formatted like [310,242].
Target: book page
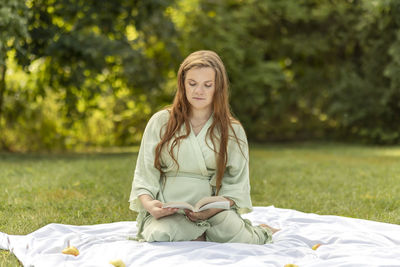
[207,200]
[216,205]
[205,203]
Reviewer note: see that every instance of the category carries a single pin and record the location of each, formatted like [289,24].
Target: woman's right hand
[154,207]
[157,211]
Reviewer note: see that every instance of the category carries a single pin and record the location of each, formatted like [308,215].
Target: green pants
[224,227]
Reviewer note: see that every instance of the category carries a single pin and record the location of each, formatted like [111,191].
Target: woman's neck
[200,115]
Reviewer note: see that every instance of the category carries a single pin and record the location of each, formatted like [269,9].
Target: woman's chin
[198,106]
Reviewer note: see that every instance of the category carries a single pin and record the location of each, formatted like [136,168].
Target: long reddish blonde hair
[180,111]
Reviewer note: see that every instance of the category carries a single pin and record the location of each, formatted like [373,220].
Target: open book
[205,203]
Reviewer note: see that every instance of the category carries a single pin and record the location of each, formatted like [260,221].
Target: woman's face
[200,87]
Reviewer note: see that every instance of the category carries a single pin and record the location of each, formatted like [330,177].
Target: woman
[191,150]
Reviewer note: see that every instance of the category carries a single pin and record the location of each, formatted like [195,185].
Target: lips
[198,98]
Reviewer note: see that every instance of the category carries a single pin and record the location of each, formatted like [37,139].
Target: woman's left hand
[201,215]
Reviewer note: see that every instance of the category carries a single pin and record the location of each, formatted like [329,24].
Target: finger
[172,210]
[166,211]
[163,211]
[169,211]
[189,216]
[202,215]
[158,204]
[193,216]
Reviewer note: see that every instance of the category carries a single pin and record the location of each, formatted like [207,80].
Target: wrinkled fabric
[224,227]
[344,242]
[194,179]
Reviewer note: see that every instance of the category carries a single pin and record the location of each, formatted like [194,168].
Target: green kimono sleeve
[235,183]
[146,177]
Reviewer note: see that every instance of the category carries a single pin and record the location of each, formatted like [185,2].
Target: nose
[199,89]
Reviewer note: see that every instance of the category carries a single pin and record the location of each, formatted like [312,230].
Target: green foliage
[13,27]
[103,68]
[306,69]
[366,99]
[274,52]
[13,32]
[96,70]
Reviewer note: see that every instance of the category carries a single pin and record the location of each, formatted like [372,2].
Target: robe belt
[188,175]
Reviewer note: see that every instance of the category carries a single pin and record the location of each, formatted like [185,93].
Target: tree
[305,69]
[365,100]
[13,32]
[121,50]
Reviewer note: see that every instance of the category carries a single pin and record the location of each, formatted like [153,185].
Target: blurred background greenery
[90,73]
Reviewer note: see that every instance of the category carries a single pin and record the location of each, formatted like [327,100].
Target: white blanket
[344,242]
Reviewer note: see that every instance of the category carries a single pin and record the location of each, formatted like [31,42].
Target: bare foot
[273,230]
[201,238]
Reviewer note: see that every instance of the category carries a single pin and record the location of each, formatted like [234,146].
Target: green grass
[354,181]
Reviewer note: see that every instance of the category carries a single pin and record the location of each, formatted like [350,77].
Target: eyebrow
[204,81]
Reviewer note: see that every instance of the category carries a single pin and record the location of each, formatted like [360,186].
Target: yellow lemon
[316,246]
[118,263]
[71,250]
[291,265]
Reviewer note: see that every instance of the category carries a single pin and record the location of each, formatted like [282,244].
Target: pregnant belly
[186,189]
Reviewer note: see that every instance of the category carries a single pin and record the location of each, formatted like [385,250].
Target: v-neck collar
[194,140]
[204,128]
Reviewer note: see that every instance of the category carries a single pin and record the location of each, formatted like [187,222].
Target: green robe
[195,179]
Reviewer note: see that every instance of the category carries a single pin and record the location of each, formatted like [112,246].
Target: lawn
[92,188]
